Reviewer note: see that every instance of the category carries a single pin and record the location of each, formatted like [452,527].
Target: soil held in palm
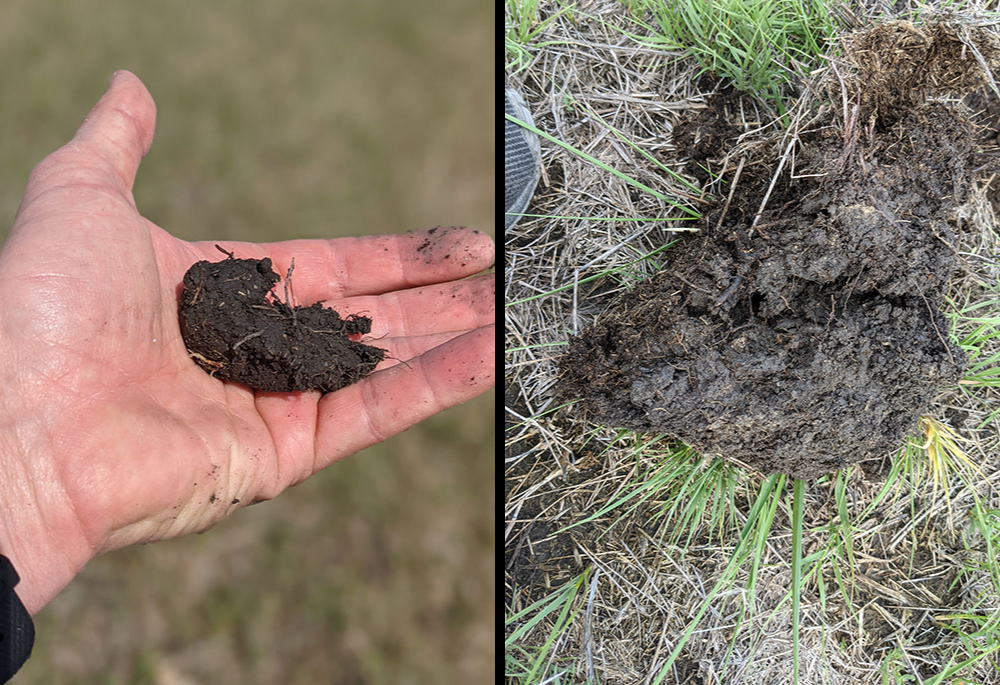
[236,329]
[807,336]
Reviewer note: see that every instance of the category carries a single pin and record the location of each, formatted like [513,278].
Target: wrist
[39,533]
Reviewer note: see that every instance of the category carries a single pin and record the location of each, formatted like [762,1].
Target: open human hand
[111,435]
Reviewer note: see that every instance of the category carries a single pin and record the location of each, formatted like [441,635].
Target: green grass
[529,660]
[521,29]
[691,498]
[764,47]
[976,327]
[749,545]
[936,463]
[691,214]
[698,193]
[799,495]
[760,46]
[893,670]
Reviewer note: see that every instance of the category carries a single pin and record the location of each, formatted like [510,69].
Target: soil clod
[807,336]
[237,330]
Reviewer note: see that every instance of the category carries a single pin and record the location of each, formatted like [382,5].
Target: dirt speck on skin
[807,337]
[237,330]
[440,242]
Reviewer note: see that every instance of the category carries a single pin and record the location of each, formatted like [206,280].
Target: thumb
[120,127]
[106,150]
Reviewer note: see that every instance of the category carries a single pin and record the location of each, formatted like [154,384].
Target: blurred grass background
[276,120]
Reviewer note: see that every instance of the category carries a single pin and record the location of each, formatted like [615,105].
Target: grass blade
[798,495]
[614,172]
[743,548]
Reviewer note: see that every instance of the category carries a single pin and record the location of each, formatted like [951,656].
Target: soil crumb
[807,336]
[236,329]
[703,137]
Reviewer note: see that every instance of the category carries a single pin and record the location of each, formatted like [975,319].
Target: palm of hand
[135,442]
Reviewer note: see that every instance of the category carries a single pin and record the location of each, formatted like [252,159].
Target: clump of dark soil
[806,336]
[702,137]
[237,330]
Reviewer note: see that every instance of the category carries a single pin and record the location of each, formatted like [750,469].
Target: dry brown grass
[888,577]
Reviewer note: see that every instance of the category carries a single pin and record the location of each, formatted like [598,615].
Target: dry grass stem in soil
[898,573]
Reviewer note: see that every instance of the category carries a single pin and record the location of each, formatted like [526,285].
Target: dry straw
[899,576]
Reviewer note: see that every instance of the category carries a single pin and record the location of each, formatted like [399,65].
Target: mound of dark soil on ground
[806,337]
[236,330]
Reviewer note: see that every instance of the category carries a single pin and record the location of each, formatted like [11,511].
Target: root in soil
[236,330]
[806,336]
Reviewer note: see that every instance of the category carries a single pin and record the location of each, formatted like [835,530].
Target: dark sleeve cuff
[17,631]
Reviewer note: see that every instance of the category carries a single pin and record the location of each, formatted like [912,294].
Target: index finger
[369,265]
[393,399]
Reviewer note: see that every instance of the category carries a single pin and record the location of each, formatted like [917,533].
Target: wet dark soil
[702,137]
[807,336]
[236,329]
